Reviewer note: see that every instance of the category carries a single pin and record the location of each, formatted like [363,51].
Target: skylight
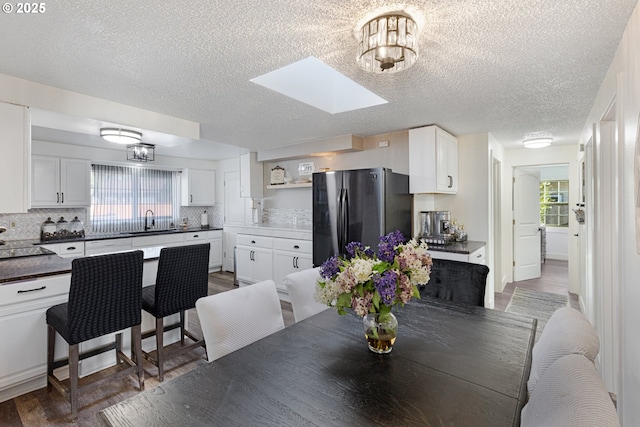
[313,82]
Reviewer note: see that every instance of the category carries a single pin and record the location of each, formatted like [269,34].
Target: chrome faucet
[153,220]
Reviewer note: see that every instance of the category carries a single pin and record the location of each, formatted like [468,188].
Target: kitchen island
[29,286]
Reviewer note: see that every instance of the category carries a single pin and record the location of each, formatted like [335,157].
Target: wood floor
[40,408]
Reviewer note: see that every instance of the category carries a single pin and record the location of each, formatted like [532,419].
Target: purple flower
[386,247]
[386,286]
[330,267]
[353,248]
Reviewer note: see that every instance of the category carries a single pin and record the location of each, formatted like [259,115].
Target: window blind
[121,196]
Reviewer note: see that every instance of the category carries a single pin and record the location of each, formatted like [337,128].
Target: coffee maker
[435,227]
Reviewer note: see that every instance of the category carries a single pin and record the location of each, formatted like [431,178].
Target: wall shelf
[282,186]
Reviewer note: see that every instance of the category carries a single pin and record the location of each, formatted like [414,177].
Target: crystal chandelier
[388,43]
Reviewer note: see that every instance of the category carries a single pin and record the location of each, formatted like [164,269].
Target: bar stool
[182,278]
[104,297]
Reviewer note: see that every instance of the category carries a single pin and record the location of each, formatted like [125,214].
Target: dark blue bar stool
[104,297]
[182,278]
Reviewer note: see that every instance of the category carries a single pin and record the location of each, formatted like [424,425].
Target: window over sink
[121,197]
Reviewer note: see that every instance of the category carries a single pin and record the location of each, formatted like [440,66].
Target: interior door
[526,228]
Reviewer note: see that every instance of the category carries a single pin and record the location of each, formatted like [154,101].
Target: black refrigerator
[358,205]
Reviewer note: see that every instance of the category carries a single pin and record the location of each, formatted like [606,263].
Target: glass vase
[380,331]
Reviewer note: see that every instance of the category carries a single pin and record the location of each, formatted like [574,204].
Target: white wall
[558,154]
[622,262]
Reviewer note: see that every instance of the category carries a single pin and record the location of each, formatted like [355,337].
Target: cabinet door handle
[253,242]
[57,197]
[450,181]
[61,197]
[71,248]
[479,256]
[293,262]
[253,256]
[31,290]
[195,236]
[191,198]
[296,247]
[297,262]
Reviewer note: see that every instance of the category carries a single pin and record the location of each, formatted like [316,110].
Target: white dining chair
[233,319]
[567,332]
[570,393]
[302,286]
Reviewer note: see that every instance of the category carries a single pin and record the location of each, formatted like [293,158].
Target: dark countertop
[123,235]
[13,270]
[457,247]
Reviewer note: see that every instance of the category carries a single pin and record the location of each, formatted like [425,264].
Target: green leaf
[416,292]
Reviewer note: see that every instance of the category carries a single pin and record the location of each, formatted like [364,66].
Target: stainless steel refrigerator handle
[345,225]
[339,222]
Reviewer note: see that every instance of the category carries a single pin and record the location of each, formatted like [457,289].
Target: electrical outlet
[13,224]
[383,144]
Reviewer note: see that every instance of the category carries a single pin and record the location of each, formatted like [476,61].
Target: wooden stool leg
[160,347]
[118,348]
[74,356]
[182,328]
[51,349]
[136,352]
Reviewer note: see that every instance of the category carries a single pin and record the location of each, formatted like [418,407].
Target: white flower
[362,269]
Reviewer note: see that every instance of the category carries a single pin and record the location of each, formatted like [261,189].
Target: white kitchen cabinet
[433,161]
[96,247]
[60,182]
[15,143]
[23,362]
[290,256]
[475,257]
[66,249]
[251,176]
[198,187]
[254,260]
[215,254]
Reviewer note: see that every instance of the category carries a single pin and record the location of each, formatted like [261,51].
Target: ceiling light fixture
[537,140]
[120,136]
[388,43]
[141,152]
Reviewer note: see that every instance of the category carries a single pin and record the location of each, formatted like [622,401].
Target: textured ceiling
[507,67]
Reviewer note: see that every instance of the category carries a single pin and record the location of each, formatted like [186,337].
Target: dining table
[451,365]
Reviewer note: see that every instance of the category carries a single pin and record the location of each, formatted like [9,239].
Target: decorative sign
[306,168]
[277,175]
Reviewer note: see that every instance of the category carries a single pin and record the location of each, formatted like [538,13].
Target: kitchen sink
[150,232]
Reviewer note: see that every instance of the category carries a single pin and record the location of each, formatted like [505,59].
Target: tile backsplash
[287,216]
[27,226]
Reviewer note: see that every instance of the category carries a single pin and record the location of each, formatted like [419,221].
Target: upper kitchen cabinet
[15,142]
[433,161]
[60,182]
[198,187]
[251,176]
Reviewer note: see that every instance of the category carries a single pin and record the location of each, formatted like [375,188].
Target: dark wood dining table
[452,365]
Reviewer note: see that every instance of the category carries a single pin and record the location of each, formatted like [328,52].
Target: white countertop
[287,231]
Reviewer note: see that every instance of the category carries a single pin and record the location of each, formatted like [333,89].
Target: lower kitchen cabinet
[290,256]
[254,258]
[475,257]
[67,249]
[261,258]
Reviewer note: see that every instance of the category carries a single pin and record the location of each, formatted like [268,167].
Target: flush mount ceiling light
[141,152]
[537,140]
[388,43]
[120,136]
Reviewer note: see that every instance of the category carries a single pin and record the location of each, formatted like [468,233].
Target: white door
[526,228]
[75,182]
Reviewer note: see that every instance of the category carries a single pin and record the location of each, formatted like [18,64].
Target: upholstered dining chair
[567,331]
[461,282]
[182,278]
[233,319]
[301,287]
[570,393]
[104,298]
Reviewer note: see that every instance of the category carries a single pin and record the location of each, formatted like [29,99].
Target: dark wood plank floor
[40,408]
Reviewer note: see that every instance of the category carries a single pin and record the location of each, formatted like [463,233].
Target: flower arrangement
[370,282]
